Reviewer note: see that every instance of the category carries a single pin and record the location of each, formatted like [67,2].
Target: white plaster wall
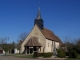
[3,51]
[16,50]
[48,46]
[57,45]
[37,33]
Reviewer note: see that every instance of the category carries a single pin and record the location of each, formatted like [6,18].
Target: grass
[31,56]
[24,56]
[20,55]
[11,54]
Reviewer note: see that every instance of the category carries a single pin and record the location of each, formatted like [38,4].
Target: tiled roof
[50,35]
[33,41]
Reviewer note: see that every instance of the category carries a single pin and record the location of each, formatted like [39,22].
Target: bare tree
[72,44]
[3,44]
[22,36]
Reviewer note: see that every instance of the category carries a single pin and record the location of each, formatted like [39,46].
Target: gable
[35,32]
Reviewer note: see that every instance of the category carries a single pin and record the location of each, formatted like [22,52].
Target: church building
[40,39]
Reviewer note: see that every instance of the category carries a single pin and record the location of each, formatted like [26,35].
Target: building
[1,51]
[40,39]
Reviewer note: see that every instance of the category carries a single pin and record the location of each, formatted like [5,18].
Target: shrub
[35,54]
[67,53]
[40,54]
[47,54]
[73,54]
[61,54]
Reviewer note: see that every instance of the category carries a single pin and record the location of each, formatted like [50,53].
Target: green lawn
[20,55]
[24,56]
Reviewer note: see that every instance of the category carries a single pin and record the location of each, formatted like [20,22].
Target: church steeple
[39,20]
[38,15]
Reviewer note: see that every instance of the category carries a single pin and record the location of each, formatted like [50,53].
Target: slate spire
[38,15]
[39,20]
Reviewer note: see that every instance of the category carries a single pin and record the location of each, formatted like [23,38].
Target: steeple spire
[39,20]
[38,15]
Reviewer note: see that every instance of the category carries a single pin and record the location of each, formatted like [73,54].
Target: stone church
[40,39]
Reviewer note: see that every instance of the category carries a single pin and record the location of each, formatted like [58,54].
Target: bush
[40,54]
[73,54]
[67,53]
[35,54]
[61,54]
[47,54]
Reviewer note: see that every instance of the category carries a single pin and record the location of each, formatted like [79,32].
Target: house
[1,51]
[40,39]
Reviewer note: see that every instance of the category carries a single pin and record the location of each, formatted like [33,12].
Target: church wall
[36,33]
[57,45]
[48,46]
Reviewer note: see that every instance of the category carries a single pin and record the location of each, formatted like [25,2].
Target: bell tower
[39,20]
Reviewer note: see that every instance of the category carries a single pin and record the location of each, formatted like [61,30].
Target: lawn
[20,55]
[24,56]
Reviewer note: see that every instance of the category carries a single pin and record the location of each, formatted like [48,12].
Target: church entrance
[32,45]
[31,50]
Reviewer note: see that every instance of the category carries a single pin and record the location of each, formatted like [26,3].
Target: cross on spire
[39,15]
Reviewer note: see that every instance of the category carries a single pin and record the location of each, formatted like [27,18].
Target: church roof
[33,41]
[48,34]
[51,36]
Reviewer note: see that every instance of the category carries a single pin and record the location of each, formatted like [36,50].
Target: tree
[78,45]
[21,38]
[72,44]
[13,45]
[3,44]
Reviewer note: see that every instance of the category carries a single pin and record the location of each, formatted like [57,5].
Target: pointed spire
[38,15]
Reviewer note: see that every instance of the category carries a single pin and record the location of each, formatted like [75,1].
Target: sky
[60,16]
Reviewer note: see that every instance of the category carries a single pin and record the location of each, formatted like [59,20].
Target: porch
[32,45]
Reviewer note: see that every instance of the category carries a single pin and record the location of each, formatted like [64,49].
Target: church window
[48,44]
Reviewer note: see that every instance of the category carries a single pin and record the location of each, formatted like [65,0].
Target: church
[40,39]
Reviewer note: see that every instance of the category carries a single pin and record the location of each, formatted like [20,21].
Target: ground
[14,58]
[18,58]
